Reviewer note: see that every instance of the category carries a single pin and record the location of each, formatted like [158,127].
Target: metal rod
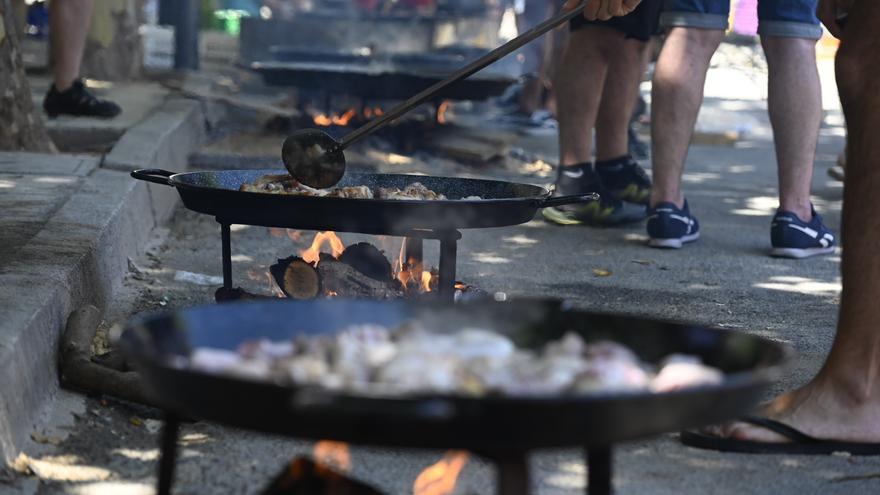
[599,472]
[513,475]
[446,284]
[167,454]
[470,69]
[227,255]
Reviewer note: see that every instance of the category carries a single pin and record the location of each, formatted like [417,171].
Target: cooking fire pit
[502,428]
[471,203]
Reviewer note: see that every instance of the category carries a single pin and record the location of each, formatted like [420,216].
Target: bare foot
[821,409]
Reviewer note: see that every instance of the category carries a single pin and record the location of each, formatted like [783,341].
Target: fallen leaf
[136,421]
[40,438]
[601,272]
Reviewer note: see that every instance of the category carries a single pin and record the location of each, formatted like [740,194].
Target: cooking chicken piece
[266,349]
[604,350]
[351,192]
[213,360]
[305,369]
[477,343]
[416,190]
[416,372]
[680,371]
[611,375]
[526,374]
[570,345]
[359,350]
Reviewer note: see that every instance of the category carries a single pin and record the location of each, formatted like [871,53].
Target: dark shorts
[783,18]
[639,24]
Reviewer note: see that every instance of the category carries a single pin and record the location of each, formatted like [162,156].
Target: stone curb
[81,257]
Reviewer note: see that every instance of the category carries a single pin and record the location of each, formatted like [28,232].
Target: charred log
[296,278]
[368,260]
[343,280]
[301,280]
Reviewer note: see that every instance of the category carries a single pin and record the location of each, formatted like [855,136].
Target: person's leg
[69,24]
[579,82]
[677,94]
[843,401]
[579,87]
[795,105]
[624,73]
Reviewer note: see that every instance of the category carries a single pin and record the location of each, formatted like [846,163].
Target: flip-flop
[800,443]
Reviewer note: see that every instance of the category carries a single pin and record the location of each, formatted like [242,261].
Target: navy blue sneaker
[671,227]
[793,238]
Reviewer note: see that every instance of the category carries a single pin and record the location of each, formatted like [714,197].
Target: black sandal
[800,443]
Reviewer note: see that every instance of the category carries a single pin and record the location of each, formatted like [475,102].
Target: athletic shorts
[783,18]
[640,24]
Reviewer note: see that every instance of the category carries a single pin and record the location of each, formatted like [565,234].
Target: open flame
[335,455]
[441,111]
[426,281]
[344,118]
[440,478]
[313,253]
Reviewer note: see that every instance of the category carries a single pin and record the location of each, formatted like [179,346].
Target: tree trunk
[20,127]
[113,50]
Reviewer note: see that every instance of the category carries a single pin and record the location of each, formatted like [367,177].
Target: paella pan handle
[156,175]
[315,400]
[565,200]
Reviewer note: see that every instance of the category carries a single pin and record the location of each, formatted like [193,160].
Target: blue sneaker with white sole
[793,238]
[671,227]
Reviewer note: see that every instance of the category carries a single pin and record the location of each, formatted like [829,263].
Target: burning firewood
[304,477]
[331,277]
[297,278]
[368,260]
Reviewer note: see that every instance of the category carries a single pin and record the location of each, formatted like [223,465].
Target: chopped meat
[410,359]
[416,190]
[285,184]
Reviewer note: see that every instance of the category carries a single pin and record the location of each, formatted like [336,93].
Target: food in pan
[285,184]
[371,359]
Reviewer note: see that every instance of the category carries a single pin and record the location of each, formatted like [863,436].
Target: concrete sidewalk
[69,224]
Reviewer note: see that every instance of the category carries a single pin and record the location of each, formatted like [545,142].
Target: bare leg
[69,24]
[579,83]
[624,74]
[795,105]
[677,95]
[843,401]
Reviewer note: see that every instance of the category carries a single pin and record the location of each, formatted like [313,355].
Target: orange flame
[276,232]
[426,281]
[440,478]
[324,120]
[378,111]
[441,111]
[294,235]
[313,253]
[334,455]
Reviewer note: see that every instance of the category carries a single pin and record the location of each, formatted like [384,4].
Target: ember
[334,455]
[440,478]
[441,111]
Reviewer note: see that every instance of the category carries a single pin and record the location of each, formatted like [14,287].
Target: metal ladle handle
[473,67]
